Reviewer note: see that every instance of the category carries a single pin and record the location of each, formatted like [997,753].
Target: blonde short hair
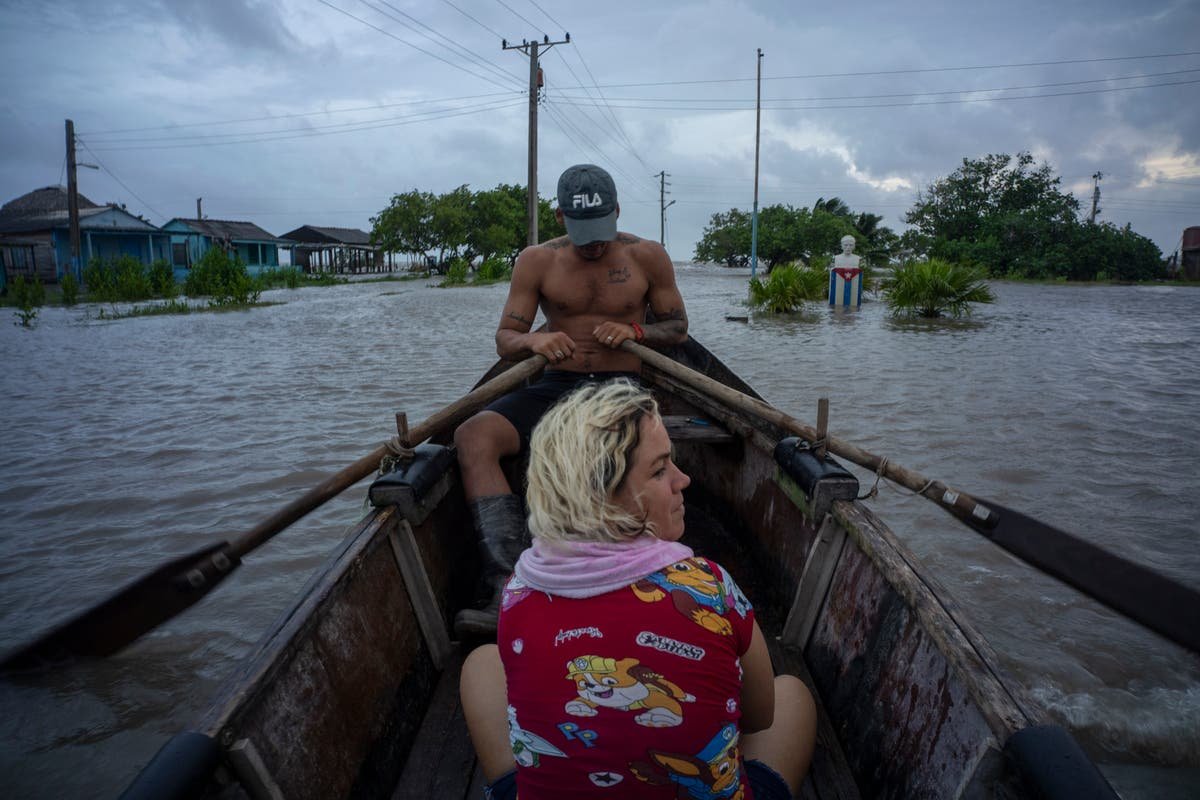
[579,455]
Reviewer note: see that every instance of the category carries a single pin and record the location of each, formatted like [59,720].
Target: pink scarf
[586,569]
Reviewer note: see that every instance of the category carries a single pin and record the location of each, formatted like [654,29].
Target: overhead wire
[419,49]
[477,22]
[93,134]
[914,103]
[113,175]
[483,62]
[271,137]
[905,71]
[522,18]
[822,98]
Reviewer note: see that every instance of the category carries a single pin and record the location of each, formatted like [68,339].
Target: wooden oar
[1154,600]
[180,583]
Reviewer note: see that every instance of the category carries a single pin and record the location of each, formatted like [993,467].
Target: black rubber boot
[503,535]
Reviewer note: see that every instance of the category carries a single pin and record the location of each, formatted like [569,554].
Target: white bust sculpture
[846,259]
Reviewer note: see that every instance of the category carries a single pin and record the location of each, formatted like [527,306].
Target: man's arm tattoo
[515,316]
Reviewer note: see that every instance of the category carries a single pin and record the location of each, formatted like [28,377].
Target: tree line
[461,225]
[1002,214]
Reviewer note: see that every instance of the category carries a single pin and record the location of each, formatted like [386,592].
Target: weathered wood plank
[682,427]
[823,558]
[829,777]
[420,593]
[442,761]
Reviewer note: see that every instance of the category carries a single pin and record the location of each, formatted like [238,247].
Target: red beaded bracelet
[638,333]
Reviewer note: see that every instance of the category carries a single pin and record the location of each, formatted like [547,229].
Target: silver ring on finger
[558,354]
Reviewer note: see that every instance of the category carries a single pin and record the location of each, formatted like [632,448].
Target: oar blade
[137,608]
[1160,603]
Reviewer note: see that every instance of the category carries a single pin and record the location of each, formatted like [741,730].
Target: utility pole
[199,214]
[531,50]
[662,207]
[757,129]
[1096,176]
[72,199]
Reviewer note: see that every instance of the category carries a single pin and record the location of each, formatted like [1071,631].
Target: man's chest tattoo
[619,274]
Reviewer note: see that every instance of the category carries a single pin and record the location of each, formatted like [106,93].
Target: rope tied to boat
[879,470]
[397,453]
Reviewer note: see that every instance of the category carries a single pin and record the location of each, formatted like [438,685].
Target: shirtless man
[593,286]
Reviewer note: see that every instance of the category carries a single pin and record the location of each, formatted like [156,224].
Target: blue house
[192,238]
[35,235]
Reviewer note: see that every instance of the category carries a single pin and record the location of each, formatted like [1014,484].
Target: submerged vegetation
[788,287]
[936,287]
[223,279]
[28,295]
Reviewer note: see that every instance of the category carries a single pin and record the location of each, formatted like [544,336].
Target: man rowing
[593,287]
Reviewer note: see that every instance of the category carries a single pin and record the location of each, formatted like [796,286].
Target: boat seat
[685,428]
[416,486]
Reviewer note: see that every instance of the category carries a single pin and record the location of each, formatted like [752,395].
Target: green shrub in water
[117,279]
[788,287]
[69,288]
[223,279]
[936,287]
[162,280]
[28,295]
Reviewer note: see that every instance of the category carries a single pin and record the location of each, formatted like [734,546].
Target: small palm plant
[788,287]
[935,287]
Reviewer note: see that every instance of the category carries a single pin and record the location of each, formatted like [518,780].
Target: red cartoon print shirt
[634,693]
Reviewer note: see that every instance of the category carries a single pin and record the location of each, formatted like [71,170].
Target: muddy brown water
[128,441]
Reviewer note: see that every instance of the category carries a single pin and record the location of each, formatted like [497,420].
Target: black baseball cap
[587,197]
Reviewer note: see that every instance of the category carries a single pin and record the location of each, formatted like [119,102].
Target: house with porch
[35,235]
[321,249]
[192,238]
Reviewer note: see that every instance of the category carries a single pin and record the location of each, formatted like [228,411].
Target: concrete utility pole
[757,129]
[72,199]
[531,49]
[662,207]
[1096,176]
[199,214]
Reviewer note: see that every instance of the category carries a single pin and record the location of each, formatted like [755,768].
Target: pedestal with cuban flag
[845,287]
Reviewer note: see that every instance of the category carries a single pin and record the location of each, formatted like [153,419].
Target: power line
[477,22]
[588,70]
[900,94]
[613,125]
[552,19]
[410,44]
[93,134]
[536,27]
[908,105]
[495,68]
[273,138]
[908,71]
[112,175]
[357,125]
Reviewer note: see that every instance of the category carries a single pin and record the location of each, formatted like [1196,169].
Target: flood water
[126,442]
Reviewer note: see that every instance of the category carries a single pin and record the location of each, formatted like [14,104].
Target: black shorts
[525,406]
[765,783]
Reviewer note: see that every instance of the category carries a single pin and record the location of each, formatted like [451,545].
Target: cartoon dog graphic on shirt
[626,685]
[697,594]
[713,772]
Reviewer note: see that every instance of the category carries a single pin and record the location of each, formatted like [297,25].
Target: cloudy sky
[292,112]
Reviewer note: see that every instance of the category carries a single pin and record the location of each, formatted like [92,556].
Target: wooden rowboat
[353,691]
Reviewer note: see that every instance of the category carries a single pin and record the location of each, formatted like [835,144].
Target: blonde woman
[626,666]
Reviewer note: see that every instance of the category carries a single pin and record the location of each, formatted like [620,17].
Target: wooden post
[402,428]
[822,426]
[72,204]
